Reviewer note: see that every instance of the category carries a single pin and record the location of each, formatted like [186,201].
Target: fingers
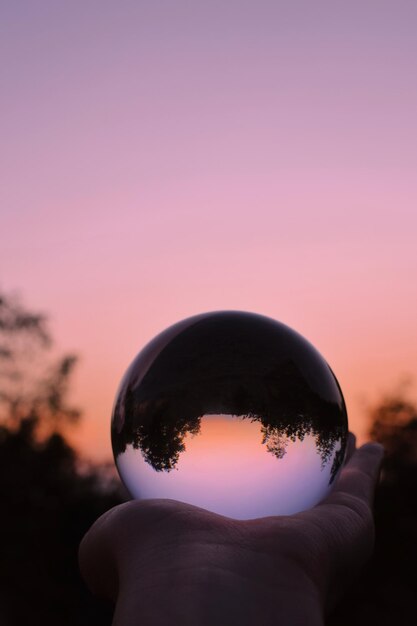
[116,541]
[359,476]
[351,446]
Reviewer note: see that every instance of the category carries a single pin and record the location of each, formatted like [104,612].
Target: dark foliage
[47,502]
[47,506]
[386,593]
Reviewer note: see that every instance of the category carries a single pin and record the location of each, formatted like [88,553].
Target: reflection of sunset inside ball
[232,412]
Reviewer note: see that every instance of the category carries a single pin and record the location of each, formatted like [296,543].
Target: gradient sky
[164,158]
[227,469]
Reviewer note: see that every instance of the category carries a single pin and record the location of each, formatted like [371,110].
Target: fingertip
[373,448]
[360,474]
[369,454]
[350,446]
[351,438]
[374,444]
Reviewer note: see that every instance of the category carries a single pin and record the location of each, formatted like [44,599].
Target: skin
[165,562]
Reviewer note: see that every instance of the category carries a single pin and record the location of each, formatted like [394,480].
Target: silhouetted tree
[48,502]
[158,425]
[32,385]
[386,594]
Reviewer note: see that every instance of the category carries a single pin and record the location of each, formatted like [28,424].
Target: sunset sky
[164,158]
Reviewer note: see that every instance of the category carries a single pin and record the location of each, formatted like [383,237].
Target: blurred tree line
[49,498]
[386,592]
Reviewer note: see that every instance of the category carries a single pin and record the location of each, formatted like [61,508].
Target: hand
[164,562]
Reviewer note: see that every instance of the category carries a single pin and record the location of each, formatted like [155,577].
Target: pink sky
[160,159]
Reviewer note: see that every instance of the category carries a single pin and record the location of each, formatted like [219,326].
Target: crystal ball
[233,412]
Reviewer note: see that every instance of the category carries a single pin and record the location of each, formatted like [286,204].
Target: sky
[165,158]
[227,468]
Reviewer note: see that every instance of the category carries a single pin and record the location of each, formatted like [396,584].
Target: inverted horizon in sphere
[230,411]
[227,456]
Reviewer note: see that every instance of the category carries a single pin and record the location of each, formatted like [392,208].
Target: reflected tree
[156,409]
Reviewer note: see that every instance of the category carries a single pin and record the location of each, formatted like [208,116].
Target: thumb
[359,477]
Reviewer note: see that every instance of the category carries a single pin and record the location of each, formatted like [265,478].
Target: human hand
[164,562]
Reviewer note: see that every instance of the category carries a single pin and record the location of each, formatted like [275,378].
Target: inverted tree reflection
[157,420]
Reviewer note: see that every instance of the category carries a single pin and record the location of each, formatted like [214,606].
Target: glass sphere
[233,412]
